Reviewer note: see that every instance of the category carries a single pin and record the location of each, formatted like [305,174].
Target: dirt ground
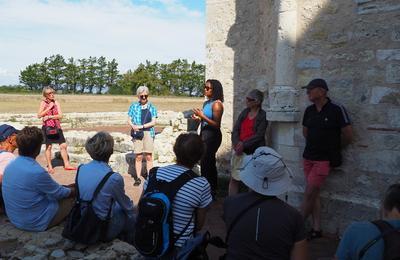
[20,103]
[320,249]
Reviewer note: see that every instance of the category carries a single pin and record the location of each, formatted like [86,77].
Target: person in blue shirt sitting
[33,200]
[100,148]
[363,240]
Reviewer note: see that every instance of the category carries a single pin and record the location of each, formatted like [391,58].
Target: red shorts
[316,172]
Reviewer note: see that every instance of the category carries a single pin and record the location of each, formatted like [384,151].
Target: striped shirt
[135,113]
[194,194]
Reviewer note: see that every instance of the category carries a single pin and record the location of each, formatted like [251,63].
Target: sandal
[313,234]
[70,168]
[137,182]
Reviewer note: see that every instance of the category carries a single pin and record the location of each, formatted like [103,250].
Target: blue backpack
[154,234]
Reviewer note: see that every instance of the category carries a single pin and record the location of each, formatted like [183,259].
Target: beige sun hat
[265,172]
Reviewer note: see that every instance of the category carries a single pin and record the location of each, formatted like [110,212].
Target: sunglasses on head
[143,96]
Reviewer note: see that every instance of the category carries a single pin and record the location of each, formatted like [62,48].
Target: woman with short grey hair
[100,147]
[112,196]
[142,119]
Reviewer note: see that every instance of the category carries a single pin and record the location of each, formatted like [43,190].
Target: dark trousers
[212,138]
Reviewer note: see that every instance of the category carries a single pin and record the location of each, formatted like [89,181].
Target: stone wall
[279,45]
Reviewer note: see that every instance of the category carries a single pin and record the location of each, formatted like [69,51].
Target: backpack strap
[385,228]
[101,184]
[241,214]
[152,180]
[78,198]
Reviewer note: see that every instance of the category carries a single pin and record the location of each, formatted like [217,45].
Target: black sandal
[137,182]
[313,234]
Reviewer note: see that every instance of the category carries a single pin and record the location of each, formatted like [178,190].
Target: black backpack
[391,237]
[86,228]
[154,233]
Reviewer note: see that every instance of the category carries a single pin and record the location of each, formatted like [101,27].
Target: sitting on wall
[33,200]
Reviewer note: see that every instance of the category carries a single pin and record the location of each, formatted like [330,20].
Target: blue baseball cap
[6,131]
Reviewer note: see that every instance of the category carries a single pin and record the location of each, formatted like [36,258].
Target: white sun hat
[265,172]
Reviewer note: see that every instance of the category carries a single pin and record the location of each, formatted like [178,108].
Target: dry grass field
[20,103]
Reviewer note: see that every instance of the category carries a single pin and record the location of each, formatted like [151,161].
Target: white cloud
[32,30]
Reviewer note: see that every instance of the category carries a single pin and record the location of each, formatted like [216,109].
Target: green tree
[101,74]
[55,66]
[71,76]
[30,77]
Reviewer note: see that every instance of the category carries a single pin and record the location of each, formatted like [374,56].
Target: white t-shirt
[5,159]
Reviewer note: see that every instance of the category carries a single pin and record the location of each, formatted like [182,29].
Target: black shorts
[57,139]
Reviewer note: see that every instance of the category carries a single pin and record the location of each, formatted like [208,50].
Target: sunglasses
[49,93]
[207,88]
[250,99]
[143,96]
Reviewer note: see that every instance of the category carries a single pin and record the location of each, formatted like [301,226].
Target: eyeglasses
[250,99]
[50,93]
[207,88]
[143,96]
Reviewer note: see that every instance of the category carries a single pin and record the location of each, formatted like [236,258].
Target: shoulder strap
[78,198]
[241,214]
[385,228]
[101,184]
[171,188]
[152,180]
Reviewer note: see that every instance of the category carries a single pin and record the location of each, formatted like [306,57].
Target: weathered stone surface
[391,54]
[57,254]
[75,254]
[384,95]
[309,64]
[393,73]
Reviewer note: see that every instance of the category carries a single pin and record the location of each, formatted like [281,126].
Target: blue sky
[130,31]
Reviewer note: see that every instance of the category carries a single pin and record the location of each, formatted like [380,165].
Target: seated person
[33,200]
[267,228]
[194,196]
[8,144]
[100,147]
[360,233]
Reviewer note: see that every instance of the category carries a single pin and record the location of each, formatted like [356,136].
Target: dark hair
[29,141]
[100,147]
[188,148]
[217,91]
[392,198]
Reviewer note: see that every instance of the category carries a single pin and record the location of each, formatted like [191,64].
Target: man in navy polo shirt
[326,126]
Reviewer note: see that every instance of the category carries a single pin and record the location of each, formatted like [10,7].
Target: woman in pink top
[50,113]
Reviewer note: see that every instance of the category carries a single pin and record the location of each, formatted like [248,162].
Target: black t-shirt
[324,131]
[267,231]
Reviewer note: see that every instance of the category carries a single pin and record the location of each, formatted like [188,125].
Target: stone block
[389,54]
[289,153]
[373,7]
[380,94]
[382,161]
[309,64]
[394,117]
[58,253]
[396,33]
[283,134]
[393,73]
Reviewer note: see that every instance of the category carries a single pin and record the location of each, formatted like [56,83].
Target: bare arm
[60,114]
[201,217]
[299,251]
[150,124]
[42,112]
[347,135]
[305,131]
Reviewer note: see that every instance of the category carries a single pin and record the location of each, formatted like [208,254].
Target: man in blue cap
[8,144]
[326,127]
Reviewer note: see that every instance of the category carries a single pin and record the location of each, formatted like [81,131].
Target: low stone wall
[17,244]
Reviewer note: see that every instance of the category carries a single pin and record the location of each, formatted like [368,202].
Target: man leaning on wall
[326,128]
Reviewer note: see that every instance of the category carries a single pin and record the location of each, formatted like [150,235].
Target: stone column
[283,96]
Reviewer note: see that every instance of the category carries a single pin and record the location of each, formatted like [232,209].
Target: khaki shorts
[145,145]
[236,164]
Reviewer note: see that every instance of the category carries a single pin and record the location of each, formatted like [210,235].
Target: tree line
[98,75]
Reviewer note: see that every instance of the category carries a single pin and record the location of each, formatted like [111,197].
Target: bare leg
[138,164]
[64,155]
[48,159]
[233,187]
[149,162]
[316,214]
[310,196]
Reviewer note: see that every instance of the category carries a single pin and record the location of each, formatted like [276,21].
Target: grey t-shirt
[267,231]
